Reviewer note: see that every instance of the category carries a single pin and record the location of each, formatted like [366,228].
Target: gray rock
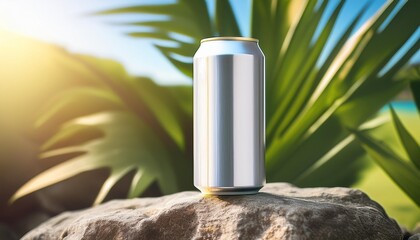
[415,237]
[279,211]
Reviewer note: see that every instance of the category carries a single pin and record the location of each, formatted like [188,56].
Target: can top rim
[244,39]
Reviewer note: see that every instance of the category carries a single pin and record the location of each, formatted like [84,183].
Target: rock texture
[415,237]
[279,211]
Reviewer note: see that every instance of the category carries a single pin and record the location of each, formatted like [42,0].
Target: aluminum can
[229,116]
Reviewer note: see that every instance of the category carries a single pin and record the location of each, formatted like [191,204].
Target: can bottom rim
[229,190]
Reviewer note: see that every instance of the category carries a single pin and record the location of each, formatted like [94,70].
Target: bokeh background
[96,99]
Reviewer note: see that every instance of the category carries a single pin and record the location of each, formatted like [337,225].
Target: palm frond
[116,122]
[128,144]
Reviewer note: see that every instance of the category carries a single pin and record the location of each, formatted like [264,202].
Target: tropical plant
[311,103]
[405,171]
[114,121]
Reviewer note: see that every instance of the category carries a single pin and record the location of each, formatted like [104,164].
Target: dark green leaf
[415,89]
[407,177]
[337,167]
[409,143]
[225,19]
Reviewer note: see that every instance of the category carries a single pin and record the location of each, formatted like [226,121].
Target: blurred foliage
[404,170]
[45,86]
[113,121]
[28,75]
[110,120]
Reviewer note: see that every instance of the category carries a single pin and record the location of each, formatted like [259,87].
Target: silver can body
[229,116]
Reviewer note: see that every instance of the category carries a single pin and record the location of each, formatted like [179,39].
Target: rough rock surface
[415,237]
[279,211]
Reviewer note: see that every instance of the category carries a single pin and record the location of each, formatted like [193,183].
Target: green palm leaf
[116,122]
[403,173]
[225,19]
[128,145]
[416,88]
[409,143]
[308,100]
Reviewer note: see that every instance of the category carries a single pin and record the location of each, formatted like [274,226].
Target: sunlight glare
[47,20]
[27,17]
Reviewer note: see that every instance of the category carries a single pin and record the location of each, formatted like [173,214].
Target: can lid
[245,39]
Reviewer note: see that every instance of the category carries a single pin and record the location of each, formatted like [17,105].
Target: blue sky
[68,23]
